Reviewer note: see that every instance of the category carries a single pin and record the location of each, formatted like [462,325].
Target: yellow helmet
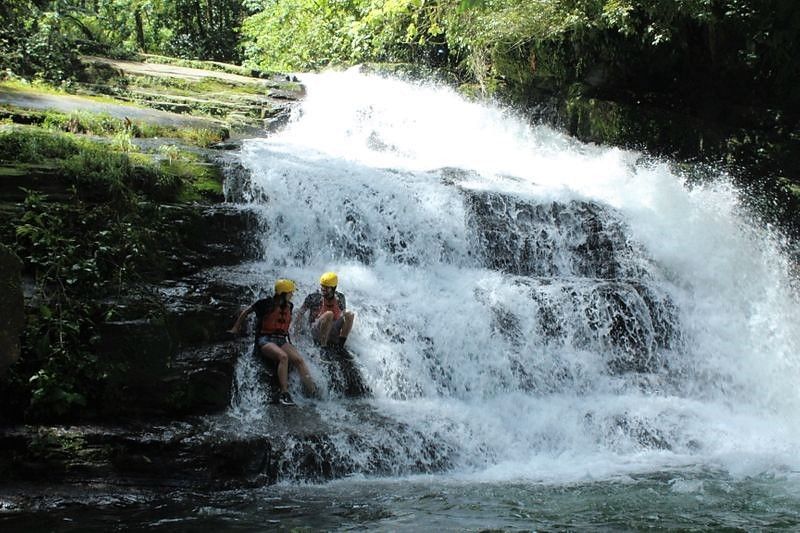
[329,279]
[284,285]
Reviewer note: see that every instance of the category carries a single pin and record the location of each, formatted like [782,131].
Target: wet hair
[281,299]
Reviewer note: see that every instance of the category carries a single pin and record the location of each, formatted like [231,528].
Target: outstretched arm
[299,318]
[237,326]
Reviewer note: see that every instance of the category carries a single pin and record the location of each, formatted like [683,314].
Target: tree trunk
[201,29]
[137,15]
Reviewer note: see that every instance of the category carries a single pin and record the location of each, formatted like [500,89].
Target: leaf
[26,230]
[470,4]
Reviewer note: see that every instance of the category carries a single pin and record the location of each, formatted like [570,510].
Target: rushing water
[549,312]
[667,501]
[555,335]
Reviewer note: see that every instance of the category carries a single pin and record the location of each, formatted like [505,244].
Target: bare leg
[349,318]
[323,326]
[274,353]
[297,360]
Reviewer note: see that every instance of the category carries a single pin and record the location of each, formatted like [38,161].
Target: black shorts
[278,340]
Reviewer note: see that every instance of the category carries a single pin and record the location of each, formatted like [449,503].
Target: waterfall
[528,306]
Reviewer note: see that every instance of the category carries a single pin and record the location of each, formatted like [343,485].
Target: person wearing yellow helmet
[273,318]
[328,316]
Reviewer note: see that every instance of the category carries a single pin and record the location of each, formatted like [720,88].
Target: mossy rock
[637,125]
[11,300]
[45,178]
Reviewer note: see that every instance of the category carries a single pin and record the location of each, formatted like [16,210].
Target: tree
[41,38]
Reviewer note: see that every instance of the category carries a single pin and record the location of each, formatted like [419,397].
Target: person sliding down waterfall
[273,317]
[330,320]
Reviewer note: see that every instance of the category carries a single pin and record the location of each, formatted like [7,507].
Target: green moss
[206,65]
[186,87]
[205,185]
[111,171]
[199,180]
[597,120]
[793,188]
[33,145]
[15,171]
[105,125]
[16,86]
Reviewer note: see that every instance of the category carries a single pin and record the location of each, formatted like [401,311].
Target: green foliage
[101,174]
[123,142]
[728,46]
[41,38]
[35,42]
[95,170]
[32,145]
[498,43]
[83,122]
[207,30]
[311,34]
[114,172]
[170,151]
[75,254]
[200,136]
[96,243]
[104,125]
[293,34]
[741,48]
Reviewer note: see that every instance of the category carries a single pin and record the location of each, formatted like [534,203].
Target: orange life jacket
[277,321]
[331,305]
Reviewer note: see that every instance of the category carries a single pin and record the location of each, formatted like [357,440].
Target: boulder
[175,357]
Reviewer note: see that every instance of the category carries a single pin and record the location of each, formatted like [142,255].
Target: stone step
[42,178]
[211,235]
[288,444]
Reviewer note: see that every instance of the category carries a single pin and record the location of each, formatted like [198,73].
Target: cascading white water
[542,308]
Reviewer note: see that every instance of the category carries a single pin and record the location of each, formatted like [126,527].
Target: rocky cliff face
[11,301]
[159,420]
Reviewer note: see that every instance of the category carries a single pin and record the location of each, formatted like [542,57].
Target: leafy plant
[170,151]
[77,254]
[35,146]
[68,266]
[123,142]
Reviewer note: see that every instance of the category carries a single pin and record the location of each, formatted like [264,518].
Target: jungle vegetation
[727,67]
[744,49]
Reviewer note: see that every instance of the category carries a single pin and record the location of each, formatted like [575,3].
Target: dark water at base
[667,501]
